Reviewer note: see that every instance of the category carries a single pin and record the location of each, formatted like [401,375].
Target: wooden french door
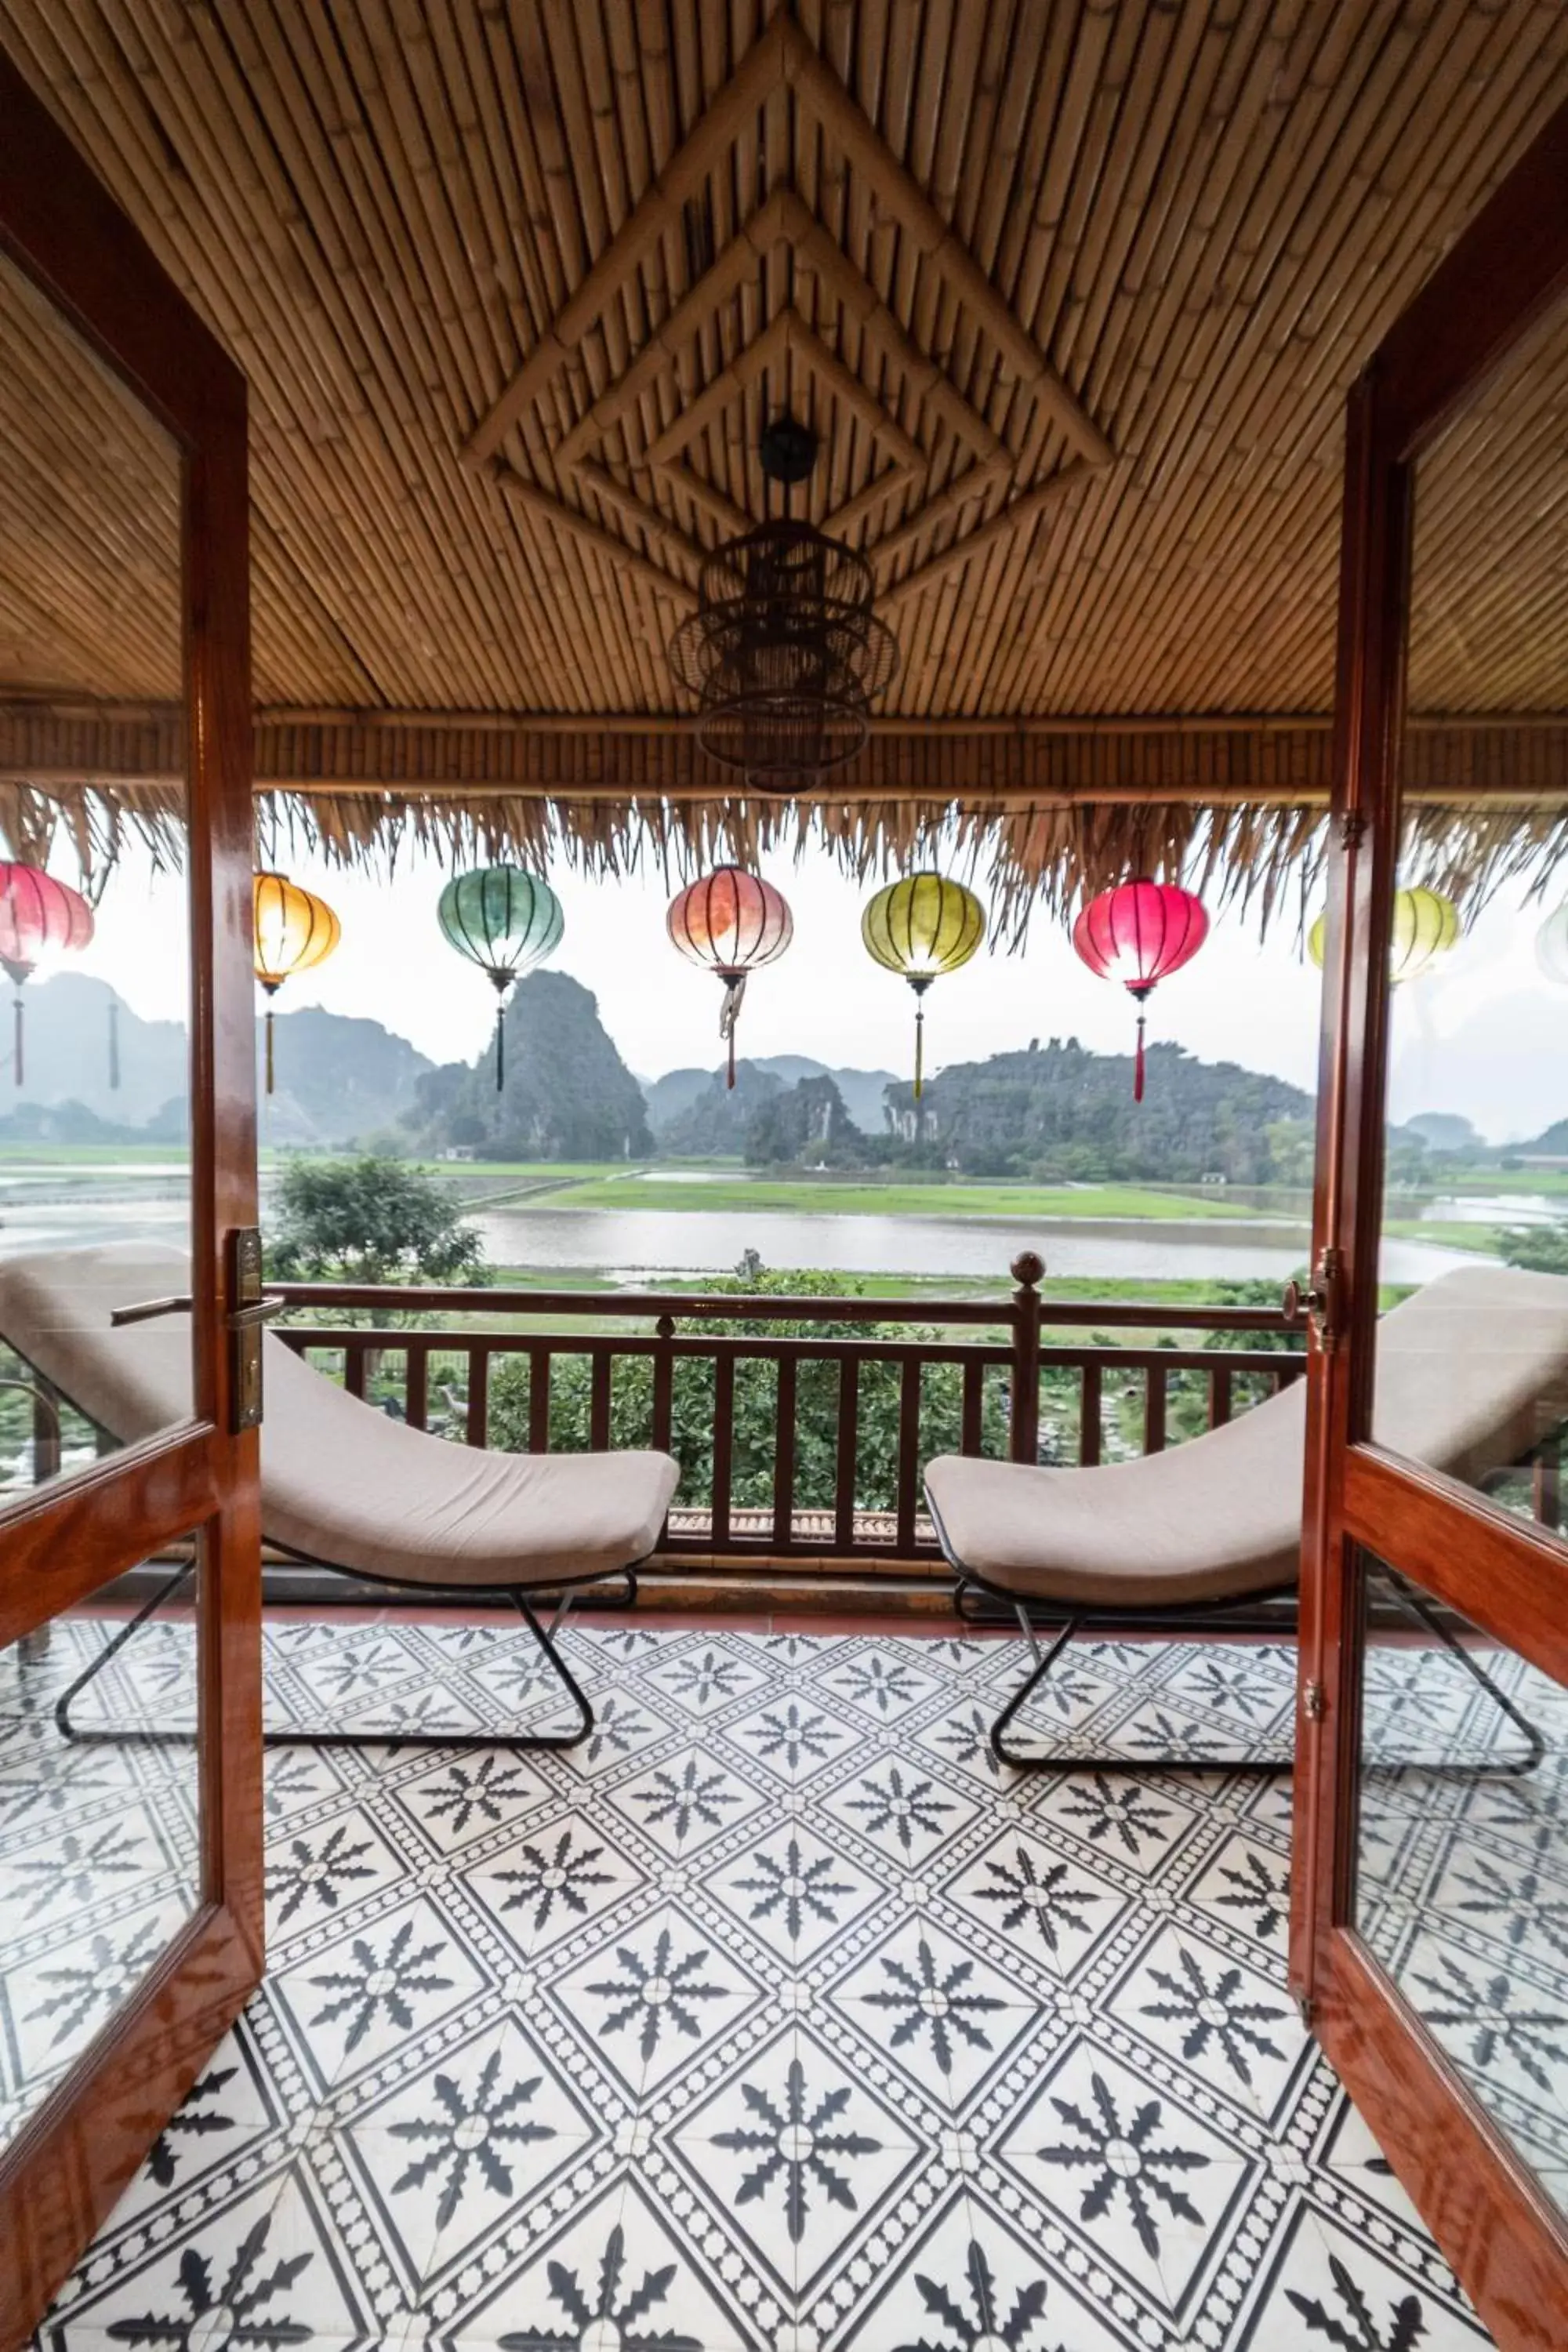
[141,2005]
[1428,1999]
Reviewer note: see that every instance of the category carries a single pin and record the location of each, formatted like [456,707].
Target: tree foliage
[1543,1249]
[370,1220]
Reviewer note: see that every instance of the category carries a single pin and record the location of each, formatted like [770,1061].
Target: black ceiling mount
[787,450]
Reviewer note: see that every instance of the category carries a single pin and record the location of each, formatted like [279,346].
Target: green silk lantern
[505,921]
[920,927]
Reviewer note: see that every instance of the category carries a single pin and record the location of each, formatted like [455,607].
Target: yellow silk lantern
[292,930]
[1426,926]
[921,927]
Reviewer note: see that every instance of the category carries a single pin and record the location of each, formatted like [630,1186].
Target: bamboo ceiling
[1072,290]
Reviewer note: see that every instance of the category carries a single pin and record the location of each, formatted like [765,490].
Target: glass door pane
[1473,1371]
[95,1182]
[1462,1857]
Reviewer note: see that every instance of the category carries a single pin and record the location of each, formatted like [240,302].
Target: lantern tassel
[729,1012]
[501,1046]
[1138,1065]
[16,1056]
[269,1064]
[919,1049]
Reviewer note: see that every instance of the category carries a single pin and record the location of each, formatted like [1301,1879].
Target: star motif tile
[797,2150]
[654,1995]
[1137,2176]
[446,2157]
[776,2017]
[684,1804]
[1052,1908]
[943,2017]
[794,1891]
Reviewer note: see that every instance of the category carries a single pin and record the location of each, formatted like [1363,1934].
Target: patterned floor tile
[777,2017]
[654,1995]
[1147,2185]
[944,2018]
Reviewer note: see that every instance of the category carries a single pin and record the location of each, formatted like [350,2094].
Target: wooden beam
[1226,759]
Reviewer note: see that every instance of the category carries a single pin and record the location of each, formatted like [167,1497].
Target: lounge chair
[1472,1377]
[341,1483]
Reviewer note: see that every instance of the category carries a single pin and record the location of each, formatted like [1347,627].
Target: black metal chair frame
[544,1636]
[1195,1617]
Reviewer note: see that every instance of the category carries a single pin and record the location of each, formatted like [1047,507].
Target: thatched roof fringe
[1266,861]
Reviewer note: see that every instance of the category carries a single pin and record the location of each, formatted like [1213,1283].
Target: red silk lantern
[38,917]
[1140,933]
[730,922]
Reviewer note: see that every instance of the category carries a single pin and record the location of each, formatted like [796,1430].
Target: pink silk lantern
[38,917]
[1140,933]
[730,922]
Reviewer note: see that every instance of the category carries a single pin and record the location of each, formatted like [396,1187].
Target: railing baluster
[784,1458]
[972,1421]
[848,1453]
[478,1427]
[907,1486]
[663,1386]
[1154,1410]
[1219,1398]
[599,1402]
[539,1400]
[354,1370]
[1088,1417]
[45,1432]
[1024,1434]
[724,1445]
[416,1388]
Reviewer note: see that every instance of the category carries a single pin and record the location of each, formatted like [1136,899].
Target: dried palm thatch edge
[1262,861]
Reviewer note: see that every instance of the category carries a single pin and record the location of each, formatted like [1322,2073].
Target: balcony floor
[772,2017]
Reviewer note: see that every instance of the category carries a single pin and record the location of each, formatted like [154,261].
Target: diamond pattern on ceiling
[658,461]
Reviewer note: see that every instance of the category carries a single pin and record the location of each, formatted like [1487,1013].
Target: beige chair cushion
[1472,1372]
[341,1482]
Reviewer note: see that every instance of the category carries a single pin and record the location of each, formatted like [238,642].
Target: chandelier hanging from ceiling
[784,653]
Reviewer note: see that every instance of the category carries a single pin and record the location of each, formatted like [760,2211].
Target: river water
[633,1245]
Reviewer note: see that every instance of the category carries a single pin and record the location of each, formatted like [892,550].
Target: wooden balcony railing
[897,1400]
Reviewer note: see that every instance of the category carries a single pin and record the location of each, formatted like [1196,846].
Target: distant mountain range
[338,1080]
[569,1095]
[676,1093]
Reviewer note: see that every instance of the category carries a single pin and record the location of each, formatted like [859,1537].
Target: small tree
[1543,1249]
[370,1220]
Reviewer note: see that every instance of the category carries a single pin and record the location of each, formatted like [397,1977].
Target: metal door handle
[145,1308]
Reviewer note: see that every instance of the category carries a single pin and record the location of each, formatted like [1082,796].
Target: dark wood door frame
[69,2162]
[1507,2243]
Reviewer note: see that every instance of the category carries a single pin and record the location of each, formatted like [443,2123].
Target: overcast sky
[1482,1037]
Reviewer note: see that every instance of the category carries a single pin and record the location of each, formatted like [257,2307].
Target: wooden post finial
[1028,1269]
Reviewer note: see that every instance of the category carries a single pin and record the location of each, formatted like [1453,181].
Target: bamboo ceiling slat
[1012,230]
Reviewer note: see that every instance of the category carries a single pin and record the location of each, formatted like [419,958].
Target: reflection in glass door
[130,1849]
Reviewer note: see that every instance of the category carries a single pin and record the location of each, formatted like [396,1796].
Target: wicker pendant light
[784,654]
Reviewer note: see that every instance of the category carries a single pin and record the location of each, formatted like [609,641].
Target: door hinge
[249,1311]
[1322,1302]
[1313,1704]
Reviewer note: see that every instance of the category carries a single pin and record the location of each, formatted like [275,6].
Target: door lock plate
[248,1311]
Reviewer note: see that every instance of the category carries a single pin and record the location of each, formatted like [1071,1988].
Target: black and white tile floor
[772,2017]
